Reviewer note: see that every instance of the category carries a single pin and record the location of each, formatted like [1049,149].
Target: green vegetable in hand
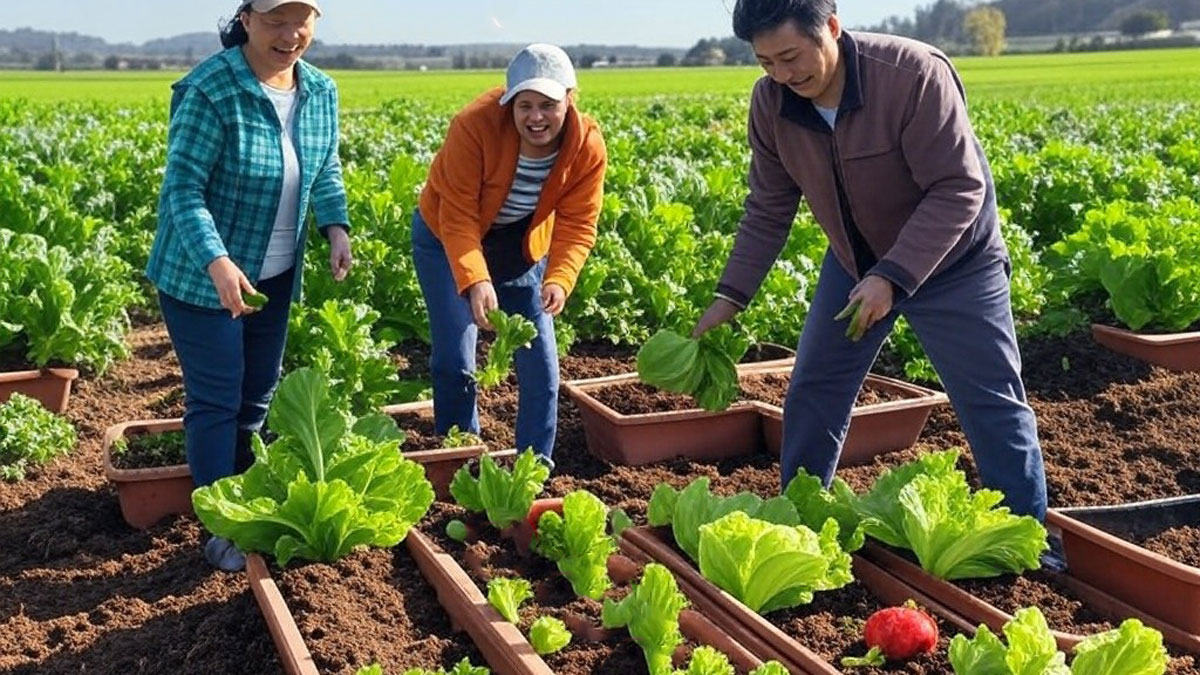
[851,311]
[256,300]
[700,368]
[513,332]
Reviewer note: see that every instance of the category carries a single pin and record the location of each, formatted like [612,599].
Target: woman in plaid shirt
[252,147]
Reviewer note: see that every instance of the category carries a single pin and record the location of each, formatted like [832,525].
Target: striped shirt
[526,189]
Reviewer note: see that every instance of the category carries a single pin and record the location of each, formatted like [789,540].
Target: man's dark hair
[233,33]
[752,17]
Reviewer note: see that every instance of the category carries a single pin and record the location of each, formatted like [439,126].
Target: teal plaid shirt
[225,173]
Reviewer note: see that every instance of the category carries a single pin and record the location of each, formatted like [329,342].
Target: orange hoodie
[473,173]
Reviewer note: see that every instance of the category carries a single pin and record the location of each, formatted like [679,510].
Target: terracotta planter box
[656,542]
[1151,582]
[654,437]
[148,495]
[1173,351]
[50,386]
[293,653]
[440,464]
[505,647]
[978,611]
[874,429]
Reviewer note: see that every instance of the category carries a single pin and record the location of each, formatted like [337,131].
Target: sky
[657,23]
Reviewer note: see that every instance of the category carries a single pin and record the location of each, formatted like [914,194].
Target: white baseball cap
[543,68]
[268,5]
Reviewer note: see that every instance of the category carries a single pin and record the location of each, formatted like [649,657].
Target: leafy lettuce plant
[578,543]
[1130,649]
[463,667]
[30,435]
[769,566]
[699,368]
[1143,256]
[336,339]
[504,495]
[928,507]
[548,635]
[651,612]
[327,485]
[506,595]
[513,332]
[707,661]
[687,510]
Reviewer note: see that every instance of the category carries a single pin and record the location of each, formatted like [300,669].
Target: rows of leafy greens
[30,436]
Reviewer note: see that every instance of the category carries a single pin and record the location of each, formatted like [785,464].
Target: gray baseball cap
[268,5]
[543,68]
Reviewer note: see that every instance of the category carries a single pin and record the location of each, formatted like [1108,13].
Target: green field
[1171,75]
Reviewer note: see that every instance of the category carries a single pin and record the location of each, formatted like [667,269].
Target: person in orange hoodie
[507,220]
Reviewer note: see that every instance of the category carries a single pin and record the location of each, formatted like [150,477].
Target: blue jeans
[963,319]
[230,370]
[453,335]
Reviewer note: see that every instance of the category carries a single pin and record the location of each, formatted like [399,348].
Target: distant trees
[986,25]
[666,60]
[1144,21]
[728,51]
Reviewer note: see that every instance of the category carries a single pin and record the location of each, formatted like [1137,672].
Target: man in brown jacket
[873,131]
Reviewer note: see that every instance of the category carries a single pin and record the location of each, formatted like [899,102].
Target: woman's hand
[483,300]
[340,259]
[554,298]
[230,282]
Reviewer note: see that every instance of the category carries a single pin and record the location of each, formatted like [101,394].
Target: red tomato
[901,632]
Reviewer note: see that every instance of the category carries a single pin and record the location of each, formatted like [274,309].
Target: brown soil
[636,398]
[832,626]
[419,433]
[372,607]
[1064,612]
[1181,544]
[772,388]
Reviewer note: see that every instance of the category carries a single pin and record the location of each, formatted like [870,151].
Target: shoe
[1054,559]
[546,462]
[223,555]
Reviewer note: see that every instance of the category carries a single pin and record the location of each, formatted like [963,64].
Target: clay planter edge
[653,437]
[148,495]
[979,611]
[1173,351]
[892,591]
[874,429]
[289,643]
[441,463]
[501,643]
[1160,586]
[50,386]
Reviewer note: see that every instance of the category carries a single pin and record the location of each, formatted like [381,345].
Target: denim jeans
[963,319]
[230,370]
[453,335]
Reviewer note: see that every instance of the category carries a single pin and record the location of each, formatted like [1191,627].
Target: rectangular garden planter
[503,644]
[1173,351]
[656,542]
[50,386]
[148,495]
[654,437]
[1163,587]
[441,463]
[978,611]
[874,429]
[293,653]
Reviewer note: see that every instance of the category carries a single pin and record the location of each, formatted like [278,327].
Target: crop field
[1096,159]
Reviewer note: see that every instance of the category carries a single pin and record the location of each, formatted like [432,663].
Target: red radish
[897,633]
